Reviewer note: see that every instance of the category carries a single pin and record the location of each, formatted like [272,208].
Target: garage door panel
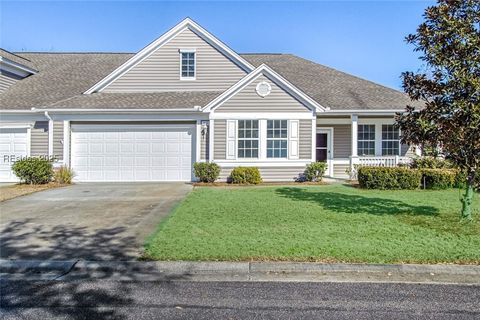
[111,161]
[127,147]
[13,144]
[142,147]
[117,153]
[127,135]
[96,148]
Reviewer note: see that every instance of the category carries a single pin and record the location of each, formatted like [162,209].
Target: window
[366,140]
[248,138]
[390,140]
[277,142]
[187,65]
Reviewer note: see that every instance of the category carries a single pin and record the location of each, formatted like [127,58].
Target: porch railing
[376,161]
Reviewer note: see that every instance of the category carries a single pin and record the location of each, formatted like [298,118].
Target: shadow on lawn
[347,203]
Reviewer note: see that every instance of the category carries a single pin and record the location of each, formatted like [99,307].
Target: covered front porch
[350,140]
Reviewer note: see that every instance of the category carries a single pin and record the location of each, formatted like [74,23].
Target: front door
[322,149]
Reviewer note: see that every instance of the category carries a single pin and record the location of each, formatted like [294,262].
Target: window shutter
[293,137]
[231,139]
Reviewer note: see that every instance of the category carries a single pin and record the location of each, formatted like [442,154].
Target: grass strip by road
[329,223]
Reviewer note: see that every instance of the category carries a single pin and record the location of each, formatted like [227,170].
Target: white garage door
[13,145]
[132,153]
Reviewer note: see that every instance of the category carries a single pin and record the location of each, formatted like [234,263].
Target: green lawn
[318,223]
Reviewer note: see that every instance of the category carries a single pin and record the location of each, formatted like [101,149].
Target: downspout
[50,134]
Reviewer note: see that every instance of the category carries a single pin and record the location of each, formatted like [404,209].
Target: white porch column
[211,135]
[198,137]
[354,119]
[354,151]
[50,137]
[66,143]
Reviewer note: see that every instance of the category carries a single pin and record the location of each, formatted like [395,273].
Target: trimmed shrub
[315,171]
[64,175]
[431,163]
[388,178]
[245,175]
[33,170]
[206,171]
[439,178]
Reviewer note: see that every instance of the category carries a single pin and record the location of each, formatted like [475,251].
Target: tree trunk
[467,200]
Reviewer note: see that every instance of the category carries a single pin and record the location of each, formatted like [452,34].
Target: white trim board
[166,37]
[261,115]
[19,69]
[265,70]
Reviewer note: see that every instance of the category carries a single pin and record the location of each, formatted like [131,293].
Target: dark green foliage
[430,163]
[33,170]
[315,171]
[245,175]
[388,178]
[448,41]
[438,179]
[206,171]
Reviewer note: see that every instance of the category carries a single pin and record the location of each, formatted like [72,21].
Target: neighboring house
[187,97]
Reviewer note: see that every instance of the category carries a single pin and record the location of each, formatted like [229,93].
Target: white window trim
[260,143]
[274,139]
[188,50]
[397,140]
[378,131]
[375,142]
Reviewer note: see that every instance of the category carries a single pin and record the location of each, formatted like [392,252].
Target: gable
[160,71]
[247,100]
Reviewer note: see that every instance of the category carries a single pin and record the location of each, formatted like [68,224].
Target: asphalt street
[106,299]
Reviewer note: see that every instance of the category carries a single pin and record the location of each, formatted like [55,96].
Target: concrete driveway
[101,221]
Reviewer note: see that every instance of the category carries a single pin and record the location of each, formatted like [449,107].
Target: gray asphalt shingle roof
[63,77]
[153,100]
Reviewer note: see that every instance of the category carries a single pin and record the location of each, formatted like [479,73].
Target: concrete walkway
[96,221]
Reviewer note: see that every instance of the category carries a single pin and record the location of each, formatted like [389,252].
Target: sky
[363,38]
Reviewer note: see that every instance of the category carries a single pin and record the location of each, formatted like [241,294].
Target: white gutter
[191,110]
[50,134]
[18,66]
[363,111]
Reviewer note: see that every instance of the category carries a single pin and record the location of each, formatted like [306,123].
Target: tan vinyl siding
[58,139]
[342,140]
[7,79]
[161,70]
[270,173]
[247,100]
[39,139]
[220,140]
[305,141]
[339,171]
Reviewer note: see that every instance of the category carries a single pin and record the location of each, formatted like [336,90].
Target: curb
[238,271]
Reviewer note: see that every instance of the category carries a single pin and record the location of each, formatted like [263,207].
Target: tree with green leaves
[448,87]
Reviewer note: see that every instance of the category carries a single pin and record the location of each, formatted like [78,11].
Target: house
[187,97]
